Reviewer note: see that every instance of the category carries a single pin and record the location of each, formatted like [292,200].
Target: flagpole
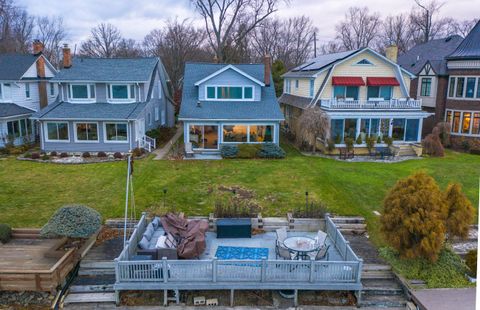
[126,204]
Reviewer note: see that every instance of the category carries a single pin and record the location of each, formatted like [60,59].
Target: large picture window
[235,133]
[398,129]
[116,132]
[337,130]
[344,92]
[467,117]
[229,92]
[350,128]
[57,132]
[425,89]
[384,92]
[476,124]
[261,133]
[81,92]
[464,87]
[121,92]
[86,132]
[248,133]
[19,128]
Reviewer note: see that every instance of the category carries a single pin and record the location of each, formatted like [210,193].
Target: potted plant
[370,141]
[330,146]
[349,144]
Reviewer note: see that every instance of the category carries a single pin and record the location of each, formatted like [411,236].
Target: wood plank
[89,298]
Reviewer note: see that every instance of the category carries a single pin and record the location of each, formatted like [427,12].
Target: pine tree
[413,217]
[460,212]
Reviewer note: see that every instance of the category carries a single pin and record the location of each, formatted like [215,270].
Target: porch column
[390,127]
[357,133]
[276,133]
[419,134]
[186,137]
[42,137]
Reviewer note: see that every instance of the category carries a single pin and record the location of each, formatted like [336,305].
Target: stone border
[363,158]
[89,160]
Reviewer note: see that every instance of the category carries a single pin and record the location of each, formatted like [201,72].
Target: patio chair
[283,252]
[321,238]
[322,254]
[188,150]
[281,234]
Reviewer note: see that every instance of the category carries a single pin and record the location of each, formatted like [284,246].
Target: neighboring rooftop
[266,109]
[433,51]
[109,69]
[470,46]
[14,66]
[314,65]
[296,101]
[11,109]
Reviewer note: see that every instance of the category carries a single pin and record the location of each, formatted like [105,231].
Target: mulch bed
[364,249]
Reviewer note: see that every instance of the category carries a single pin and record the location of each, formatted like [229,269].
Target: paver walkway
[162,152]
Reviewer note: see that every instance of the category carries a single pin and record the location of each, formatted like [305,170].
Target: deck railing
[234,274]
[392,104]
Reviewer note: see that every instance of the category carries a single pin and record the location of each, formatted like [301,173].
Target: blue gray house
[106,104]
[224,103]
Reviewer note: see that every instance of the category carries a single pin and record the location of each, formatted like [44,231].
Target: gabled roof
[108,70]
[11,109]
[229,67]
[14,66]
[470,46]
[266,109]
[433,51]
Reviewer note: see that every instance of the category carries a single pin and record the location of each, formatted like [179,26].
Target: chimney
[268,69]
[391,52]
[67,56]
[37,47]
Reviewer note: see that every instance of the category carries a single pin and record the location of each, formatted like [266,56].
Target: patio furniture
[189,150]
[234,228]
[322,254]
[301,246]
[346,154]
[282,252]
[321,238]
[281,234]
[383,153]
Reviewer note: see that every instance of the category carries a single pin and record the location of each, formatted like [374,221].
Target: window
[116,132]
[476,124]
[203,136]
[460,87]
[467,116]
[312,85]
[451,89]
[81,92]
[149,118]
[350,128]
[121,92]
[259,133]
[411,131]
[478,88]
[384,127]
[229,92]
[86,132]
[337,130]
[364,128]
[384,92]
[1,90]
[448,117]
[52,89]
[57,132]
[157,114]
[364,62]
[27,90]
[162,116]
[398,129]
[343,92]
[456,122]
[13,129]
[374,127]
[235,133]
[296,84]
[159,89]
[470,91]
[426,86]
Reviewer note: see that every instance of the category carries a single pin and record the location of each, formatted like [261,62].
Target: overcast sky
[135,18]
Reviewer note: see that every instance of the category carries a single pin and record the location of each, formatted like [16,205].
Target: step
[96,271]
[359,226]
[383,301]
[26,231]
[97,264]
[89,298]
[91,288]
[24,236]
[384,291]
[377,275]
[352,231]
[348,219]
[376,267]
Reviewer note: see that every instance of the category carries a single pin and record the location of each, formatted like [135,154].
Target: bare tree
[359,29]
[222,16]
[51,32]
[129,48]
[333,46]
[425,23]
[16,28]
[395,31]
[104,41]
[463,27]
[313,124]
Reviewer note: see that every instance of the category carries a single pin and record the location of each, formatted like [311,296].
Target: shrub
[413,215]
[271,150]
[359,140]
[330,145]
[432,146]
[137,152]
[471,262]
[475,151]
[349,143]
[53,153]
[460,211]
[35,155]
[27,155]
[5,233]
[63,155]
[161,134]
[443,130]
[228,150]
[388,140]
[101,154]
[338,139]
[379,139]
[248,150]
[370,141]
[74,221]
[45,157]
[465,144]
[117,155]
[86,155]
[312,210]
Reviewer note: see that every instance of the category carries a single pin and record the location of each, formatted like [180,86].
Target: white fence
[392,104]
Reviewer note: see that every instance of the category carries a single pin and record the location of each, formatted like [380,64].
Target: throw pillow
[143,244]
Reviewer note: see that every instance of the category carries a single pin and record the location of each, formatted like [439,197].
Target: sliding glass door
[204,137]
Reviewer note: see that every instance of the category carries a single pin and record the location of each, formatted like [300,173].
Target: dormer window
[81,93]
[123,93]
[229,93]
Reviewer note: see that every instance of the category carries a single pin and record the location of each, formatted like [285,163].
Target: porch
[371,104]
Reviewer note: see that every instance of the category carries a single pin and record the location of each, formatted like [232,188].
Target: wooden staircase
[381,288]
[406,150]
[350,224]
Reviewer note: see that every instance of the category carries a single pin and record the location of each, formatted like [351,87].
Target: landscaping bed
[79,158]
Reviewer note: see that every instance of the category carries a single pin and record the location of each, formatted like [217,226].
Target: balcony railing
[392,104]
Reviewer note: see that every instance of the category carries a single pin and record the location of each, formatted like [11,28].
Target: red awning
[382,81]
[347,81]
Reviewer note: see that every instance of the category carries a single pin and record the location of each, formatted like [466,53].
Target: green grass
[30,192]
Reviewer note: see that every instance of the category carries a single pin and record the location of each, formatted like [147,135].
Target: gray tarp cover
[191,233]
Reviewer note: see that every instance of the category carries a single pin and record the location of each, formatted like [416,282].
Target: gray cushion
[143,244]
[156,222]
[149,232]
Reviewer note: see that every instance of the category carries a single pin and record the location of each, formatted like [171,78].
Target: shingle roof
[11,109]
[100,111]
[470,46]
[266,109]
[433,51]
[108,69]
[14,66]
[296,101]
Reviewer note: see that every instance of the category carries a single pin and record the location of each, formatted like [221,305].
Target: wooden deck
[27,254]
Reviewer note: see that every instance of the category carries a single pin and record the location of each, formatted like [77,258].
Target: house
[463,96]
[362,92]
[106,105]
[25,87]
[427,61]
[225,103]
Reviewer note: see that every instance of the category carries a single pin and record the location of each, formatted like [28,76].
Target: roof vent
[199,104]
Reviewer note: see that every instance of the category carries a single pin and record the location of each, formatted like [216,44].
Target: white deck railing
[147,143]
[392,104]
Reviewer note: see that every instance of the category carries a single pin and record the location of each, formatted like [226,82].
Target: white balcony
[371,104]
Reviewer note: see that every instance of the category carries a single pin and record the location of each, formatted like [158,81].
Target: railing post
[214,269]
[164,269]
[359,271]
[312,265]
[117,270]
[347,244]
[264,270]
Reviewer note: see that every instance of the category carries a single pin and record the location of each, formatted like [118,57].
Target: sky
[136,18]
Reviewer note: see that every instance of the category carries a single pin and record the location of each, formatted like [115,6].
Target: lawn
[30,192]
